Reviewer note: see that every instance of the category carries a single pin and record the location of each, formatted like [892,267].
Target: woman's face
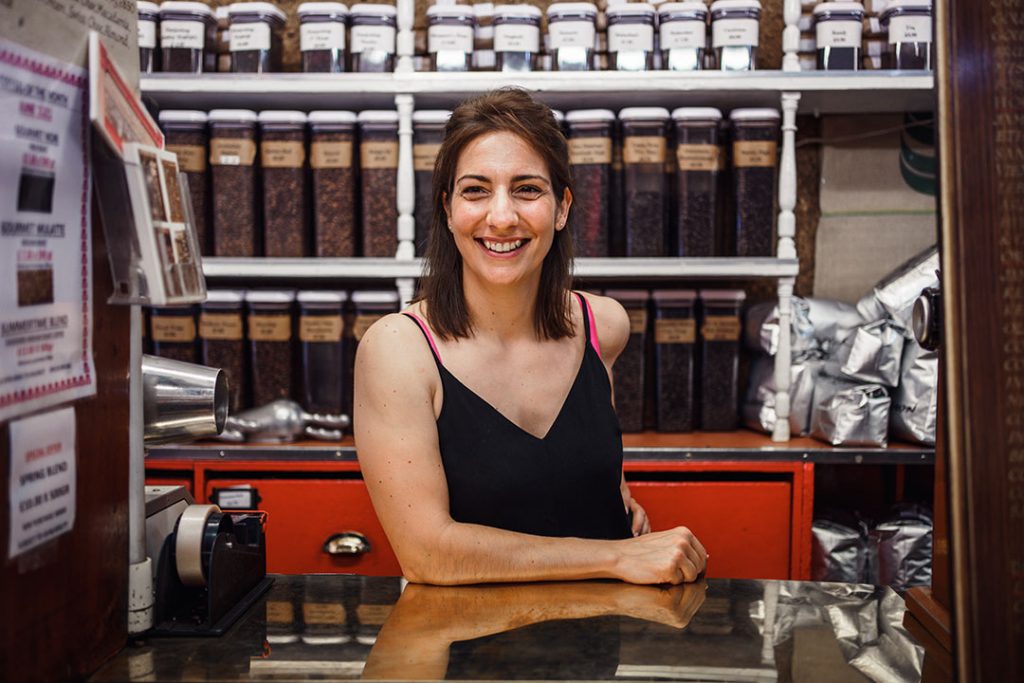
[503,212]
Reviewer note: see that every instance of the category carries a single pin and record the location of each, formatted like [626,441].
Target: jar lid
[838,7]
[630,295]
[189,7]
[321,297]
[451,12]
[378,116]
[270,296]
[373,9]
[431,116]
[523,11]
[683,296]
[225,296]
[559,115]
[182,116]
[643,114]
[696,114]
[754,114]
[692,7]
[726,5]
[898,6]
[374,297]
[587,8]
[588,115]
[633,9]
[221,13]
[150,7]
[723,295]
[232,116]
[331,116]
[282,116]
[256,8]
[322,8]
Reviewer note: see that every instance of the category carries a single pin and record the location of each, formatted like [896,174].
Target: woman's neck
[504,311]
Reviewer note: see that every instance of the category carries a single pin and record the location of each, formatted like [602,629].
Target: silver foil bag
[838,552]
[873,353]
[815,323]
[758,410]
[904,547]
[915,402]
[850,414]
[895,295]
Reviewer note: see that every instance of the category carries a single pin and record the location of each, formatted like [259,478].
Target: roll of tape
[188,545]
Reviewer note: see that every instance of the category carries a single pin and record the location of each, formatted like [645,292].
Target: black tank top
[565,484]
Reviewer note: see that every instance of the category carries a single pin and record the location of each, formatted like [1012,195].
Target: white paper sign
[45,233]
[42,484]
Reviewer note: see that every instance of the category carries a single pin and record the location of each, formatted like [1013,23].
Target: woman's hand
[641,525]
[673,556]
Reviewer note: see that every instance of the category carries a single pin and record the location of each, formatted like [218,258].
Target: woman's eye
[473,190]
[529,190]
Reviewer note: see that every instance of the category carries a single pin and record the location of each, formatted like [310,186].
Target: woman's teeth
[502,247]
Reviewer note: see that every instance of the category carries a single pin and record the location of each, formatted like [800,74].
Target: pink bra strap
[594,341]
[426,333]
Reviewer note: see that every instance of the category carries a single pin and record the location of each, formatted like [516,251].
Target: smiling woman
[483,414]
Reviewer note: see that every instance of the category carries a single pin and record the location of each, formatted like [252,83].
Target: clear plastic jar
[675,339]
[368,306]
[755,145]
[188,34]
[631,36]
[734,33]
[450,37]
[322,36]
[372,37]
[149,22]
[185,134]
[233,183]
[572,35]
[721,325]
[909,23]
[270,324]
[331,142]
[378,165]
[645,182]
[427,135]
[322,346]
[838,26]
[173,333]
[629,371]
[698,162]
[516,37]
[256,29]
[222,341]
[590,159]
[283,167]
[683,34]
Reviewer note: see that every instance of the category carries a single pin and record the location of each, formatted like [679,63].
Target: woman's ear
[563,209]
[447,206]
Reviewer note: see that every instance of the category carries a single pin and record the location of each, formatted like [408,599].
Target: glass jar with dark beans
[698,162]
[572,35]
[755,143]
[590,159]
[321,344]
[682,30]
[450,31]
[734,33]
[631,36]
[378,165]
[372,37]
[516,37]
[149,20]
[283,167]
[644,179]
[185,135]
[270,344]
[255,41]
[368,306]
[222,341]
[428,133]
[173,333]
[909,23]
[721,325]
[322,36]
[188,33]
[331,139]
[675,338]
[234,182]
[838,26]
[629,371]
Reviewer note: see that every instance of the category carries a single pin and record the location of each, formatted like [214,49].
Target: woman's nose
[502,211]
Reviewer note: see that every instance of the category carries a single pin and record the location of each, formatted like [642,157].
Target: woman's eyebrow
[524,178]
[469,176]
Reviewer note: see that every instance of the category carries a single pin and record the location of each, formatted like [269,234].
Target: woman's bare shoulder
[394,347]
[612,324]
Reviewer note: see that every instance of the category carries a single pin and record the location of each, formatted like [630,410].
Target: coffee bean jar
[322,36]
[331,143]
[173,333]
[631,36]
[682,33]
[368,306]
[572,35]
[590,160]
[720,328]
[149,21]
[755,143]
[321,347]
[255,42]
[271,352]
[450,37]
[185,134]
[234,179]
[629,371]
[372,37]
[838,26]
[734,33]
[222,341]
[675,339]
[283,166]
[427,135]
[645,182]
[378,164]
[188,34]
[909,23]
[516,37]
[698,166]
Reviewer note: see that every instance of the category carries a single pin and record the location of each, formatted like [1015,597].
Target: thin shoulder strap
[426,333]
[588,323]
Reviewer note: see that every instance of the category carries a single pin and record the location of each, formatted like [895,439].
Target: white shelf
[822,92]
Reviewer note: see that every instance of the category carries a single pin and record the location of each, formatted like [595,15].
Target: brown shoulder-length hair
[513,111]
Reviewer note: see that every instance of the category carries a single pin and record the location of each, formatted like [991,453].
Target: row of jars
[839,28]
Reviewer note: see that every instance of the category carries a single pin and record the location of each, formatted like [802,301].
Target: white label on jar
[324,35]
[185,34]
[683,35]
[623,37]
[455,38]
[516,38]
[733,32]
[147,34]
[366,38]
[254,36]
[910,29]
[571,34]
[838,33]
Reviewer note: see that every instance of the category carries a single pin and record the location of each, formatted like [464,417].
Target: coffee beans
[222,342]
[378,158]
[630,368]
[188,33]
[322,350]
[675,336]
[255,42]
[270,343]
[754,161]
[283,162]
[644,180]
[720,330]
[173,333]
[428,133]
[590,157]
[698,161]
[185,135]
[234,182]
[334,182]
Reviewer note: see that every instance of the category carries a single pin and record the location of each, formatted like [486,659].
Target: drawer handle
[348,543]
